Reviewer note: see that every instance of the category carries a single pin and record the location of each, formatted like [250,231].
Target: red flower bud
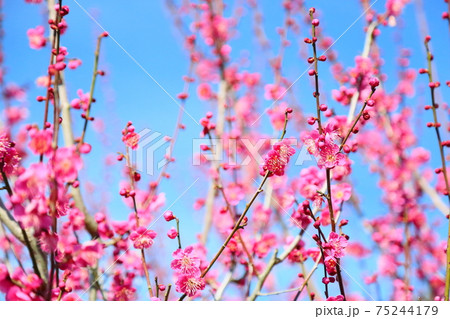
[168,216]
[182,96]
[423,71]
[374,82]
[311,121]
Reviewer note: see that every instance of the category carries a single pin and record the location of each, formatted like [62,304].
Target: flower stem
[356,120]
[166,296]
[236,226]
[316,76]
[147,276]
[144,262]
[178,233]
[91,92]
[333,225]
[444,168]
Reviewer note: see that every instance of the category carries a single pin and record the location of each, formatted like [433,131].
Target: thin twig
[366,50]
[444,167]
[300,289]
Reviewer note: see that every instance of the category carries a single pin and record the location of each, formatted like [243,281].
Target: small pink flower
[371,279]
[273,91]
[301,219]
[48,241]
[262,247]
[336,245]
[66,163]
[14,92]
[89,254]
[329,156]
[395,7]
[234,194]
[243,106]
[15,114]
[42,81]
[76,218]
[142,238]
[9,158]
[30,281]
[199,203]
[276,160]
[251,79]
[184,263]
[341,193]
[131,139]
[31,183]
[36,37]
[277,115]
[82,101]
[172,233]
[120,227]
[122,287]
[204,91]
[189,285]
[74,63]
[40,141]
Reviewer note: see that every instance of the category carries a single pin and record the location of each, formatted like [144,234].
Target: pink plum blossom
[142,238]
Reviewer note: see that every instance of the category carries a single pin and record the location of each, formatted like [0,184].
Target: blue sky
[145,30]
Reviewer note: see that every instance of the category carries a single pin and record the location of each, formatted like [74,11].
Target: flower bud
[374,82]
[168,216]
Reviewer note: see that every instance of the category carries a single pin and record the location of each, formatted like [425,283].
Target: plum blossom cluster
[9,157]
[187,268]
[36,37]
[275,161]
[325,147]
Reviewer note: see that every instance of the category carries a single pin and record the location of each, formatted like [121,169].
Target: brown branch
[436,125]
[356,120]
[91,91]
[316,73]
